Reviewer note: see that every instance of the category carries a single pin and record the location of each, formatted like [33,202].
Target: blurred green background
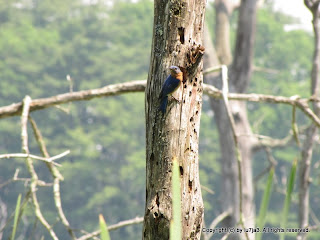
[104,42]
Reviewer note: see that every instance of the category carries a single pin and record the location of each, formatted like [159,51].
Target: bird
[171,84]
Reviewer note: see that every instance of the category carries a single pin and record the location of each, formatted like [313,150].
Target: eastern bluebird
[171,84]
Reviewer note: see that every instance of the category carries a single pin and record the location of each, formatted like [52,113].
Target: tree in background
[239,78]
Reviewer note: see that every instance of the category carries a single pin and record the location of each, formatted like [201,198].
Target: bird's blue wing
[169,86]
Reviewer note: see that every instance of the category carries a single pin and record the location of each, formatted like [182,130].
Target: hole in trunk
[181,34]
[181,170]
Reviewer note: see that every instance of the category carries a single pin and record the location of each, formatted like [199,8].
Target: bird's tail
[163,104]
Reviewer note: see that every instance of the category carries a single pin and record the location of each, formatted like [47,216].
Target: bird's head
[175,71]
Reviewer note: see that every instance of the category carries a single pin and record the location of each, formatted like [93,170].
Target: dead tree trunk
[239,77]
[305,163]
[177,35]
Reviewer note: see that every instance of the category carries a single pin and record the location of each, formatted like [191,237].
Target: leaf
[175,225]
[287,200]
[104,235]
[265,203]
[16,218]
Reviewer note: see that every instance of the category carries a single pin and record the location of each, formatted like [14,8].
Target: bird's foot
[177,100]
[173,98]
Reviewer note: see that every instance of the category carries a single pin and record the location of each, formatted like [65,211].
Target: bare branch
[121,224]
[266,141]
[32,172]
[252,97]
[110,90]
[25,155]
[139,86]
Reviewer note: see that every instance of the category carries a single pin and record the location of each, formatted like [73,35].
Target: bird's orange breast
[179,76]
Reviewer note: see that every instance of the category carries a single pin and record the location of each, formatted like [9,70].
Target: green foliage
[176,222]
[265,203]
[287,201]
[16,218]
[288,54]
[96,45]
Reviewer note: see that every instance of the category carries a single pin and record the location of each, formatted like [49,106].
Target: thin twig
[294,126]
[266,141]
[29,162]
[314,218]
[55,174]
[207,189]
[53,170]
[15,176]
[25,155]
[272,162]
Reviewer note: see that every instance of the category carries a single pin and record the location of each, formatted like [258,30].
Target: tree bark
[239,77]
[306,156]
[177,34]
